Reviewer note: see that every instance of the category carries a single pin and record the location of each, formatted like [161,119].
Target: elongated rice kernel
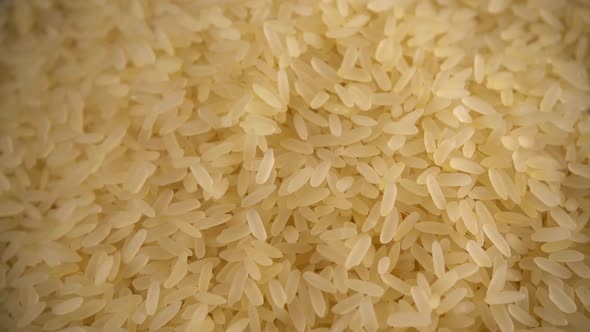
[283,85]
[502,318]
[138,176]
[435,192]
[445,282]
[408,319]
[177,272]
[543,193]
[451,299]
[478,105]
[438,259]
[315,280]
[562,218]
[396,142]
[368,173]
[444,149]
[498,183]
[67,306]
[344,96]
[580,169]
[335,125]
[324,69]
[358,251]
[266,166]
[466,165]
[565,256]
[462,114]
[299,179]
[453,179]
[103,270]
[300,127]
[319,174]
[266,95]
[317,301]
[562,300]
[420,299]
[554,268]
[152,298]
[277,293]
[469,219]
[384,265]
[255,224]
[497,239]
[404,80]
[202,176]
[390,225]
[238,326]
[504,297]
[522,316]
[479,256]
[389,198]
[319,100]
[133,245]
[550,98]
[433,227]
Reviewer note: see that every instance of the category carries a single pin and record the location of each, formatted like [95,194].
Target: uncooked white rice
[266,95]
[358,251]
[403,319]
[497,239]
[277,293]
[436,193]
[502,318]
[318,281]
[255,224]
[388,199]
[365,287]
[152,298]
[522,315]
[265,167]
[562,300]
[362,165]
[389,228]
[67,306]
[479,256]
[553,268]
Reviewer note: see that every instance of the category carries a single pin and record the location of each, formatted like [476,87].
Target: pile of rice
[302,165]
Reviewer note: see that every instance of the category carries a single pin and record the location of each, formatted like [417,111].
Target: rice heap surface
[304,165]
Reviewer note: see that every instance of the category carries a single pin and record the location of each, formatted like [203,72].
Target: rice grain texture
[295,165]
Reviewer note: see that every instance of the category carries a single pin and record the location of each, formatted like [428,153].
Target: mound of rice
[301,165]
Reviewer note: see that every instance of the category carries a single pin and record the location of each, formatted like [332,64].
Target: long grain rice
[277,293]
[265,167]
[435,192]
[408,319]
[358,251]
[255,224]
[390,225]
[479,256]
[502,318]
[67,306]
[388,199]
[554,268]
[438,259]
[562,300]
[497,239]
[315,280]
[294,165]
